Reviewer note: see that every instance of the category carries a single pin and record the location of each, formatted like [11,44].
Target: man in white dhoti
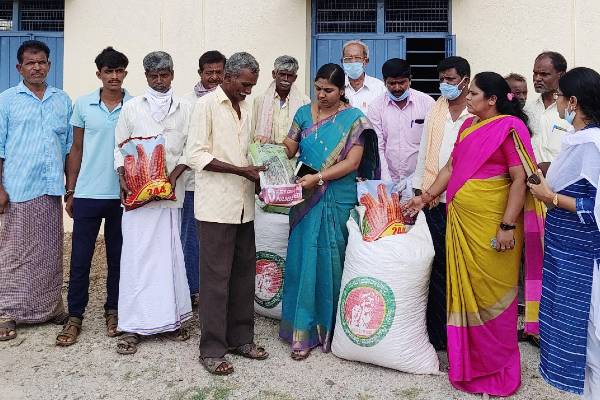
[153,289]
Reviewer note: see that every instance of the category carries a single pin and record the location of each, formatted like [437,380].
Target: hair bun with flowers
[510,96]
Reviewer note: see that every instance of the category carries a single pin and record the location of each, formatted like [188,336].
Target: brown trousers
[227,272]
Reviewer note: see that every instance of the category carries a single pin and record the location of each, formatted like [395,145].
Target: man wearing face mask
[546,126]
[441,128]
[211,68]
[361,89]
[398,117]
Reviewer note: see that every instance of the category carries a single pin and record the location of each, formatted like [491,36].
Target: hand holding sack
[147,180]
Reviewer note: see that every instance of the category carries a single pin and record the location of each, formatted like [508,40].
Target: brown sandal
[299,355]
[217,366]
[250,350]
[127,344]
[8,329]
[112,323]
[70,332]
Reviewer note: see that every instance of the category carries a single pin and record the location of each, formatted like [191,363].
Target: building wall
[506,35]
[185,29]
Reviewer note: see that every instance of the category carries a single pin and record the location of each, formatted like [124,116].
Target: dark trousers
[436,303]
[189,242]
[227,272]
[87,217]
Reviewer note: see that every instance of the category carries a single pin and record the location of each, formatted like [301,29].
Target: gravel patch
[32,367]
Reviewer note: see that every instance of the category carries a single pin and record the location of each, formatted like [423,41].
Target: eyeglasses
[353,59]
[556,95]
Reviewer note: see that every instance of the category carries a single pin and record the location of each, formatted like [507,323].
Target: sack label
[270,271]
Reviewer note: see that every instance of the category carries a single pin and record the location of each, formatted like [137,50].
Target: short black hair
[395,68]
[335,75]
[461,66]
[211,57]
[558,61]
[32,45]
[111,58]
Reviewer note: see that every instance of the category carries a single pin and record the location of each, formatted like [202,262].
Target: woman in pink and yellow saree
[491,216]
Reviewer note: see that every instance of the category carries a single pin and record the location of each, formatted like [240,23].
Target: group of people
[508,189]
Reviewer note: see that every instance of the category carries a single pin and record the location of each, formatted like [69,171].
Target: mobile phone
[303,169]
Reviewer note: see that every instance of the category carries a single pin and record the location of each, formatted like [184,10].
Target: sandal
[217,366]
[180,335]
[127,344]
[299,355]
[69,333]
[112,321]
[8,329]
[250,350]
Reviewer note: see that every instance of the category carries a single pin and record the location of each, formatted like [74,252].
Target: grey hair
[358,42]
[239,61]
[158,60]
[286,63]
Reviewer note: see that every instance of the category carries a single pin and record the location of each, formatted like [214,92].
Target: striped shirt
[35,137]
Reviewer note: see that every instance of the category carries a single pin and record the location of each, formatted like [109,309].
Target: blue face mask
[569,116]
[403,96]
[354,69]
[450,92]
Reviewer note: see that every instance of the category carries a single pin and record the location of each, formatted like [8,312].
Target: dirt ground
[32,367]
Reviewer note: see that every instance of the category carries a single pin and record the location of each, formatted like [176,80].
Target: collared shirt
[363,97]
[547,127]
[135,120]
[97,178]
[282,117]
[399,132]
[216,132]
[451,129]
[35,137]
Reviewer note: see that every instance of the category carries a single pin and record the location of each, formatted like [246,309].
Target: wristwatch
[555,200]
[507,227]
[68,194]
[321,181]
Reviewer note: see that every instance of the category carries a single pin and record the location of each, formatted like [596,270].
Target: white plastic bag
[383,300]
[271,232]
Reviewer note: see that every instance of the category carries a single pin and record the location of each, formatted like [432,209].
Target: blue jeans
[189,241]
[87,217]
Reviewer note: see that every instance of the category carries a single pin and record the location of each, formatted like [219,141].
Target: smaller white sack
[383,301]
[271,233]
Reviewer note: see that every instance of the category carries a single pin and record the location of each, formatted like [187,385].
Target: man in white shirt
[153,288]
[361,89]
[439,135]
[546,126]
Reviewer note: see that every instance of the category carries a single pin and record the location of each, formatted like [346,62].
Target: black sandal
[127,344]
[251,351]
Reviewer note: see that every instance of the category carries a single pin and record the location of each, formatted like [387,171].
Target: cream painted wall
[185,29]
[506,35]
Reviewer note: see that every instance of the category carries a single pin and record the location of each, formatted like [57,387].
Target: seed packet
[147,180]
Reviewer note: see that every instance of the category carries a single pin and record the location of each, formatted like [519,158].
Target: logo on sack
[367,310]
[270,269]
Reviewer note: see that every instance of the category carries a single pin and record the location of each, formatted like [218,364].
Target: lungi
[31,260]
[153,290]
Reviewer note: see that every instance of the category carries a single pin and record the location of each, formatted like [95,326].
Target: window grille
[423,55]
[6,14]
[42,15]
[417,15]
[346,16]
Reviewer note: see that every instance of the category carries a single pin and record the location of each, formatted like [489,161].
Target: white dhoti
[153,290]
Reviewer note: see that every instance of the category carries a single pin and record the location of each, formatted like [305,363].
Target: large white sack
[383,300]
[271,232]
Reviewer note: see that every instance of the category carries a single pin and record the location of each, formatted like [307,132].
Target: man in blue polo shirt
[93,192]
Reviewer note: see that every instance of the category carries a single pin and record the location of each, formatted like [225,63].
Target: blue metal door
[10,42]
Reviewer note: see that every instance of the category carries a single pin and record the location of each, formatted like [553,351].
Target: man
[35,138]
[518,87]
[93,192]
[274,110]
[361,89]
[211,67]
[224,207]
[153,289]
[398,117]
[546,126]
[441,129]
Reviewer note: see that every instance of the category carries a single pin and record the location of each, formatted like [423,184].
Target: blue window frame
[415,30]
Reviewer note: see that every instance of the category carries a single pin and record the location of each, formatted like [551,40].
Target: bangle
[429,195]
[69,193]
[555,200]
[507,227]
[321,181]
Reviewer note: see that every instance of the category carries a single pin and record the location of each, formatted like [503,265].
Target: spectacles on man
[353,59]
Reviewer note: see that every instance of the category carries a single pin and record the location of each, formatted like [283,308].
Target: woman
[570,307]
[486,194]
[338,142]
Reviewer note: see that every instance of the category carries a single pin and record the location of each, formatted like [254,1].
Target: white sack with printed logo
[271,232]
[383,300]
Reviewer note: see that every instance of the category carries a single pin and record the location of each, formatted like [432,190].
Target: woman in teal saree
[337,141]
